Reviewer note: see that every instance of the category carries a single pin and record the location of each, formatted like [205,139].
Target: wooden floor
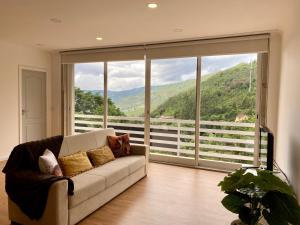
[169,195]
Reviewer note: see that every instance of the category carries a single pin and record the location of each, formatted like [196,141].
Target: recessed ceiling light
[55,20]
[152,5]
[99,38]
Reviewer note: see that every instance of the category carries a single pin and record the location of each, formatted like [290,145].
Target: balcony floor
[168,195]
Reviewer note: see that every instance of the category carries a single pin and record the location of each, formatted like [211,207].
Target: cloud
[117,84]
[89,82]
[89,76]
[125,70]
[212,64]
[131,74]
[166,71]
[89,68]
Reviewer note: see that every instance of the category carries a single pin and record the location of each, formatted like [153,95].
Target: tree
[224,96]
[87,102]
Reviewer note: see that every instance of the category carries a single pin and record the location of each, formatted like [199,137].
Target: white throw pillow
[48,164]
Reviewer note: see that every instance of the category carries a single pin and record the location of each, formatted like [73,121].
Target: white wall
[288,138]
[11,56]
[274,82]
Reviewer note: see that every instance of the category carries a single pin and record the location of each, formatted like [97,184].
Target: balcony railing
[219,141]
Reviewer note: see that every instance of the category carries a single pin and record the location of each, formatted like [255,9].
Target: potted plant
[254,194]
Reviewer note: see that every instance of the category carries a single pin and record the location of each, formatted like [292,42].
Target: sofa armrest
[138,149]
[56,211]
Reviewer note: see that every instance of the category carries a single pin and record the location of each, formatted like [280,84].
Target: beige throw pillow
[48,164]
[74,164]
[100,156]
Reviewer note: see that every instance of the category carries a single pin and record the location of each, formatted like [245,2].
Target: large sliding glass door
[228,108]
[126,98]
[173,109]
[227,99]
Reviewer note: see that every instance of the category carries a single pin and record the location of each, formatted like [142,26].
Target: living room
[192,84]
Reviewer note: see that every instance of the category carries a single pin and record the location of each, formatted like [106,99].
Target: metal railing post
[178,138]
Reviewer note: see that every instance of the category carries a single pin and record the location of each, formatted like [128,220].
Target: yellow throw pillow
[74,164]
[100,156]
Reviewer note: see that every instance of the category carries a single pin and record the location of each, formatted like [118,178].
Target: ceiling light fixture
[152,5]
[99,38]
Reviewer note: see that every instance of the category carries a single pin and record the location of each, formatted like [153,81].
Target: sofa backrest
[86,141]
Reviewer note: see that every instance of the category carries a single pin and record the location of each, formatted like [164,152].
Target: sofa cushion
[101,136]
[76,143]
[112,171]
[86,186]
[86,141]
[100,156]
[77,163]
[48,164]
[92,182]
[134,162]
[120,145]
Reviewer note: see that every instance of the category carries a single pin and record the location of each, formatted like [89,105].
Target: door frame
[20,77]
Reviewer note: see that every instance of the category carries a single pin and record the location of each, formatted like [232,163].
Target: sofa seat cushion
[85,186]
[112,171]
[134,162]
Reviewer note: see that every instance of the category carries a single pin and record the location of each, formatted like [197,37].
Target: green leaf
[282,207]
[233,203]
[249,216]
[267,181]
[273,219]
[252,192]
[236,180]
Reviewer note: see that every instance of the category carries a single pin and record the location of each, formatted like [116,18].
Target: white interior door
[33,105]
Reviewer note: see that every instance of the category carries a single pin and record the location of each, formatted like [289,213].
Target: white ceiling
[122,22]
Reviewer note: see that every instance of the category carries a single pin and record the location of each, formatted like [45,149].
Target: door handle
[24,111]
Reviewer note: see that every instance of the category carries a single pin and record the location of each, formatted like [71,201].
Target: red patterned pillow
[119,145]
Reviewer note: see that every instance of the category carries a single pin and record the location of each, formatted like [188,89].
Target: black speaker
[270,146]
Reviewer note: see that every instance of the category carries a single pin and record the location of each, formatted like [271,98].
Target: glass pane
[89,85]
[228,108]
[173,100]
[126,98]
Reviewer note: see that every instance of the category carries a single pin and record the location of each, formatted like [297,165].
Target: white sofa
[93,188]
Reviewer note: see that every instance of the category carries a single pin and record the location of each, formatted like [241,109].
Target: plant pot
[237,222]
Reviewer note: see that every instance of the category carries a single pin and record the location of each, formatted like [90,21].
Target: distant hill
[134,105]
[131,102]
[117,95]
[224,96]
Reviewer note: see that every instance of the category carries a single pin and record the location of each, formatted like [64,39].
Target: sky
[130,74]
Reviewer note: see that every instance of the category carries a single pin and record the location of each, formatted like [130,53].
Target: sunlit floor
[169,195]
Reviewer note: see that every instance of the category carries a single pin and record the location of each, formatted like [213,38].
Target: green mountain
[225,95]
[133,105]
